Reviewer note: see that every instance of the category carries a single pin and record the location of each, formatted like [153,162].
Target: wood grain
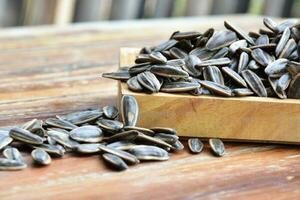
[47,71]
[245,118]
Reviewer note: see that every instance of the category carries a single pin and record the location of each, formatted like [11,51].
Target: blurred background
[63,12]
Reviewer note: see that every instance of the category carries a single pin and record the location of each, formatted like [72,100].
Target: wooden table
[50,70]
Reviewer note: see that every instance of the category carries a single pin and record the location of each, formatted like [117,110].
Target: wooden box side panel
[249,118]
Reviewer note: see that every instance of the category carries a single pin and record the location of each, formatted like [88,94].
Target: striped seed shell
[8,164]
[175,62]
[51,149]
[88,148]
[35,126]
[41,157]
[215,62]
[241,92]
[195,145]
[213,73]
[190,62]
[82,117]
[119,75]
[60,123]
[282,42]
[220,39]
[127,157]
[152,140]
[186,35]
[202,53]
[234,76]
[110,112]
[260,56]
[289,48]
[254,83]
[217,88]
[129,110]
[165,45]
[279,93]
[270,24]
[217,147]
[109,125]
[13,154]
[87,133]
[177,53]
[115,161]
[179,86]
[276,67]
[262,39]
[121,145]
[177,146]
[284,81]
[63,138]
[157,57]
[149,81]
[164,130]
[286,24]
[140,129]
[146,152]
[237,45]
[134,85]
[5,140]
[168,71]
[243,62]
[221,53]
[125,135]
[25,136]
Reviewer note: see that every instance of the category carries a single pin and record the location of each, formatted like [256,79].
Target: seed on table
[121,145]
[129,110]
[110,125]
[60,123]
[87,133]
[217,147]
[140,129]
[146,152]
[110,112]
[164,130]
[125,135]
[63,138]
[41,157]
[195,145]
[119,75]
[88,148]
[177,146]
[4,141]
[56,150]
[9,165]
[115,161]
[13,154]
[25,136]
[81,117]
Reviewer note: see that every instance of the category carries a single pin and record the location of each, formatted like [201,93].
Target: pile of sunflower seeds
[89,132]
[227,63]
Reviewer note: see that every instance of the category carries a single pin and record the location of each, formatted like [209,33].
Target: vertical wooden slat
[64,12]
[281,8]
[38,12]
[10,11]
[129,9]
[196,7]
[163,8]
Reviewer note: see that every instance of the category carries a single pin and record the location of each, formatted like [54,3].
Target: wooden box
[236,118]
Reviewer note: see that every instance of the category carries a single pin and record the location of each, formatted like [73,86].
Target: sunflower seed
[286,24]
[243,62]
[119,75]
[185,35]
[8,164]
[216,62]
[25,136]
[146,152]
[115,161]
[165,45]
[177,53]
[164,130]
[269,23]
[254,83]
[284,81]
[290,46]
[152,140]
[293,68]
[139,68]
[170,139]
[81,117]
[13,154]
[158,58]
[4,141]
[202,53]
[179,86]
[235,76]
[87,148]
[195,145]
[127,157]
[149,81]
[213,73]
[110,112]
[121,145]
[140,129]
[252,65]
[217,147]
[142,58]
[41,157]
[260,56]
[282,42]
[177,146]
[237,45]
[60,123]
[241,92]
[87,133]
[217,88]
[110,125]
[35,126]
[126,135]
[220,39]
[262,39]
[276,67]
[134,85]
[168,71]
[62,138]
[51,149]
[129,110]
[190,62]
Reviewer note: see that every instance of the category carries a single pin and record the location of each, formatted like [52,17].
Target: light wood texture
[47,71]
[247,118]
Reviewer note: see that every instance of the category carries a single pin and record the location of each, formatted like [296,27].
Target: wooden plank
[130,9]
[247,118]
[10,12]
[280,8]
[47,71]
[196,7]
[64,12]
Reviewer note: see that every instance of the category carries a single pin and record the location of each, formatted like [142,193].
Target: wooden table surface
[51,70]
